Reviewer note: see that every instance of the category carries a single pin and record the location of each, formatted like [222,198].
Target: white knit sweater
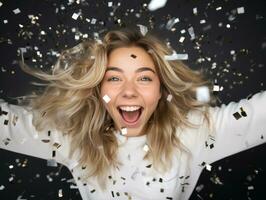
[235,127]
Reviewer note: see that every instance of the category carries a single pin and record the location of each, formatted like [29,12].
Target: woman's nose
[129,90]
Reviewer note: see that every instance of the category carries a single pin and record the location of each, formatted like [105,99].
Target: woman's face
[132,85]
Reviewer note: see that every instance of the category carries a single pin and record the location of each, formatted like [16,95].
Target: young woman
[126,120]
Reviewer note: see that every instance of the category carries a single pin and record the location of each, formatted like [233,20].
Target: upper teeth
[129,108]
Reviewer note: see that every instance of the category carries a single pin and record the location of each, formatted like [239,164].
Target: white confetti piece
[124,131]
[143,29]
[203,21]
[195,11]
[1,4]
[183,31]
[219,8]
[110,4]
[182,39]
[169,97]
[216,88]
[191,33]
[106,98]
[203,94]
[146,148]
[240,10]
[176,56]
[171,22]
[60,193]
[208,167]
[5,21]
[93,21]
[250,187]
[16,11]
[75,16]
[2,187]
[156,4]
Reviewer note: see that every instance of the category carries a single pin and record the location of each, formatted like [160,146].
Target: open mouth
[130,114]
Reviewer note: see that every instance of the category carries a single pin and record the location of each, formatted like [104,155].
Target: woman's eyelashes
[141,78]
[113,78]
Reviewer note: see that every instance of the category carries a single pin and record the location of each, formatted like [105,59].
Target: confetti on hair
[176,56]
[169,97]
[203,94]
[106,98]
[143,29]
[156,4]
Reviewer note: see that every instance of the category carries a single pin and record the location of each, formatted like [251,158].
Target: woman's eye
[113,79]
[145,78]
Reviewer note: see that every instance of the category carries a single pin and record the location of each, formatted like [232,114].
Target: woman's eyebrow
[141,69]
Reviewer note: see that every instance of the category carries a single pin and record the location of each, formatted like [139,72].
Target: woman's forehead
[130,56]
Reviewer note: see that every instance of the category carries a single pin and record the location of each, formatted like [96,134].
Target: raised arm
[18,134]
[237,127]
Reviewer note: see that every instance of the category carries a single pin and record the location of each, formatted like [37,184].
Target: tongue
[131,116]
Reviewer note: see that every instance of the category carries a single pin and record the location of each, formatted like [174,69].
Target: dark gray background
[240,75]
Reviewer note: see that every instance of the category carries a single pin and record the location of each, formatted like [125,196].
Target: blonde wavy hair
[71,101]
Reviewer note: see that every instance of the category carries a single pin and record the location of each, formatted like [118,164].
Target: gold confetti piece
[14,120]
[57,145]
[169,97]
[243,113]
[6,141]
[92,191]
[46,140]
[16,11]
[237,115]
[133,56]
[53,153]
[106,98]
[149,166]
[60,193]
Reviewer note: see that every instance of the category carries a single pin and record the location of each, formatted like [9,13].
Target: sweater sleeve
[236,127]
[19,135]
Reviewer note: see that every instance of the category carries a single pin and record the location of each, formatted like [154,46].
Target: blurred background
[224,38]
